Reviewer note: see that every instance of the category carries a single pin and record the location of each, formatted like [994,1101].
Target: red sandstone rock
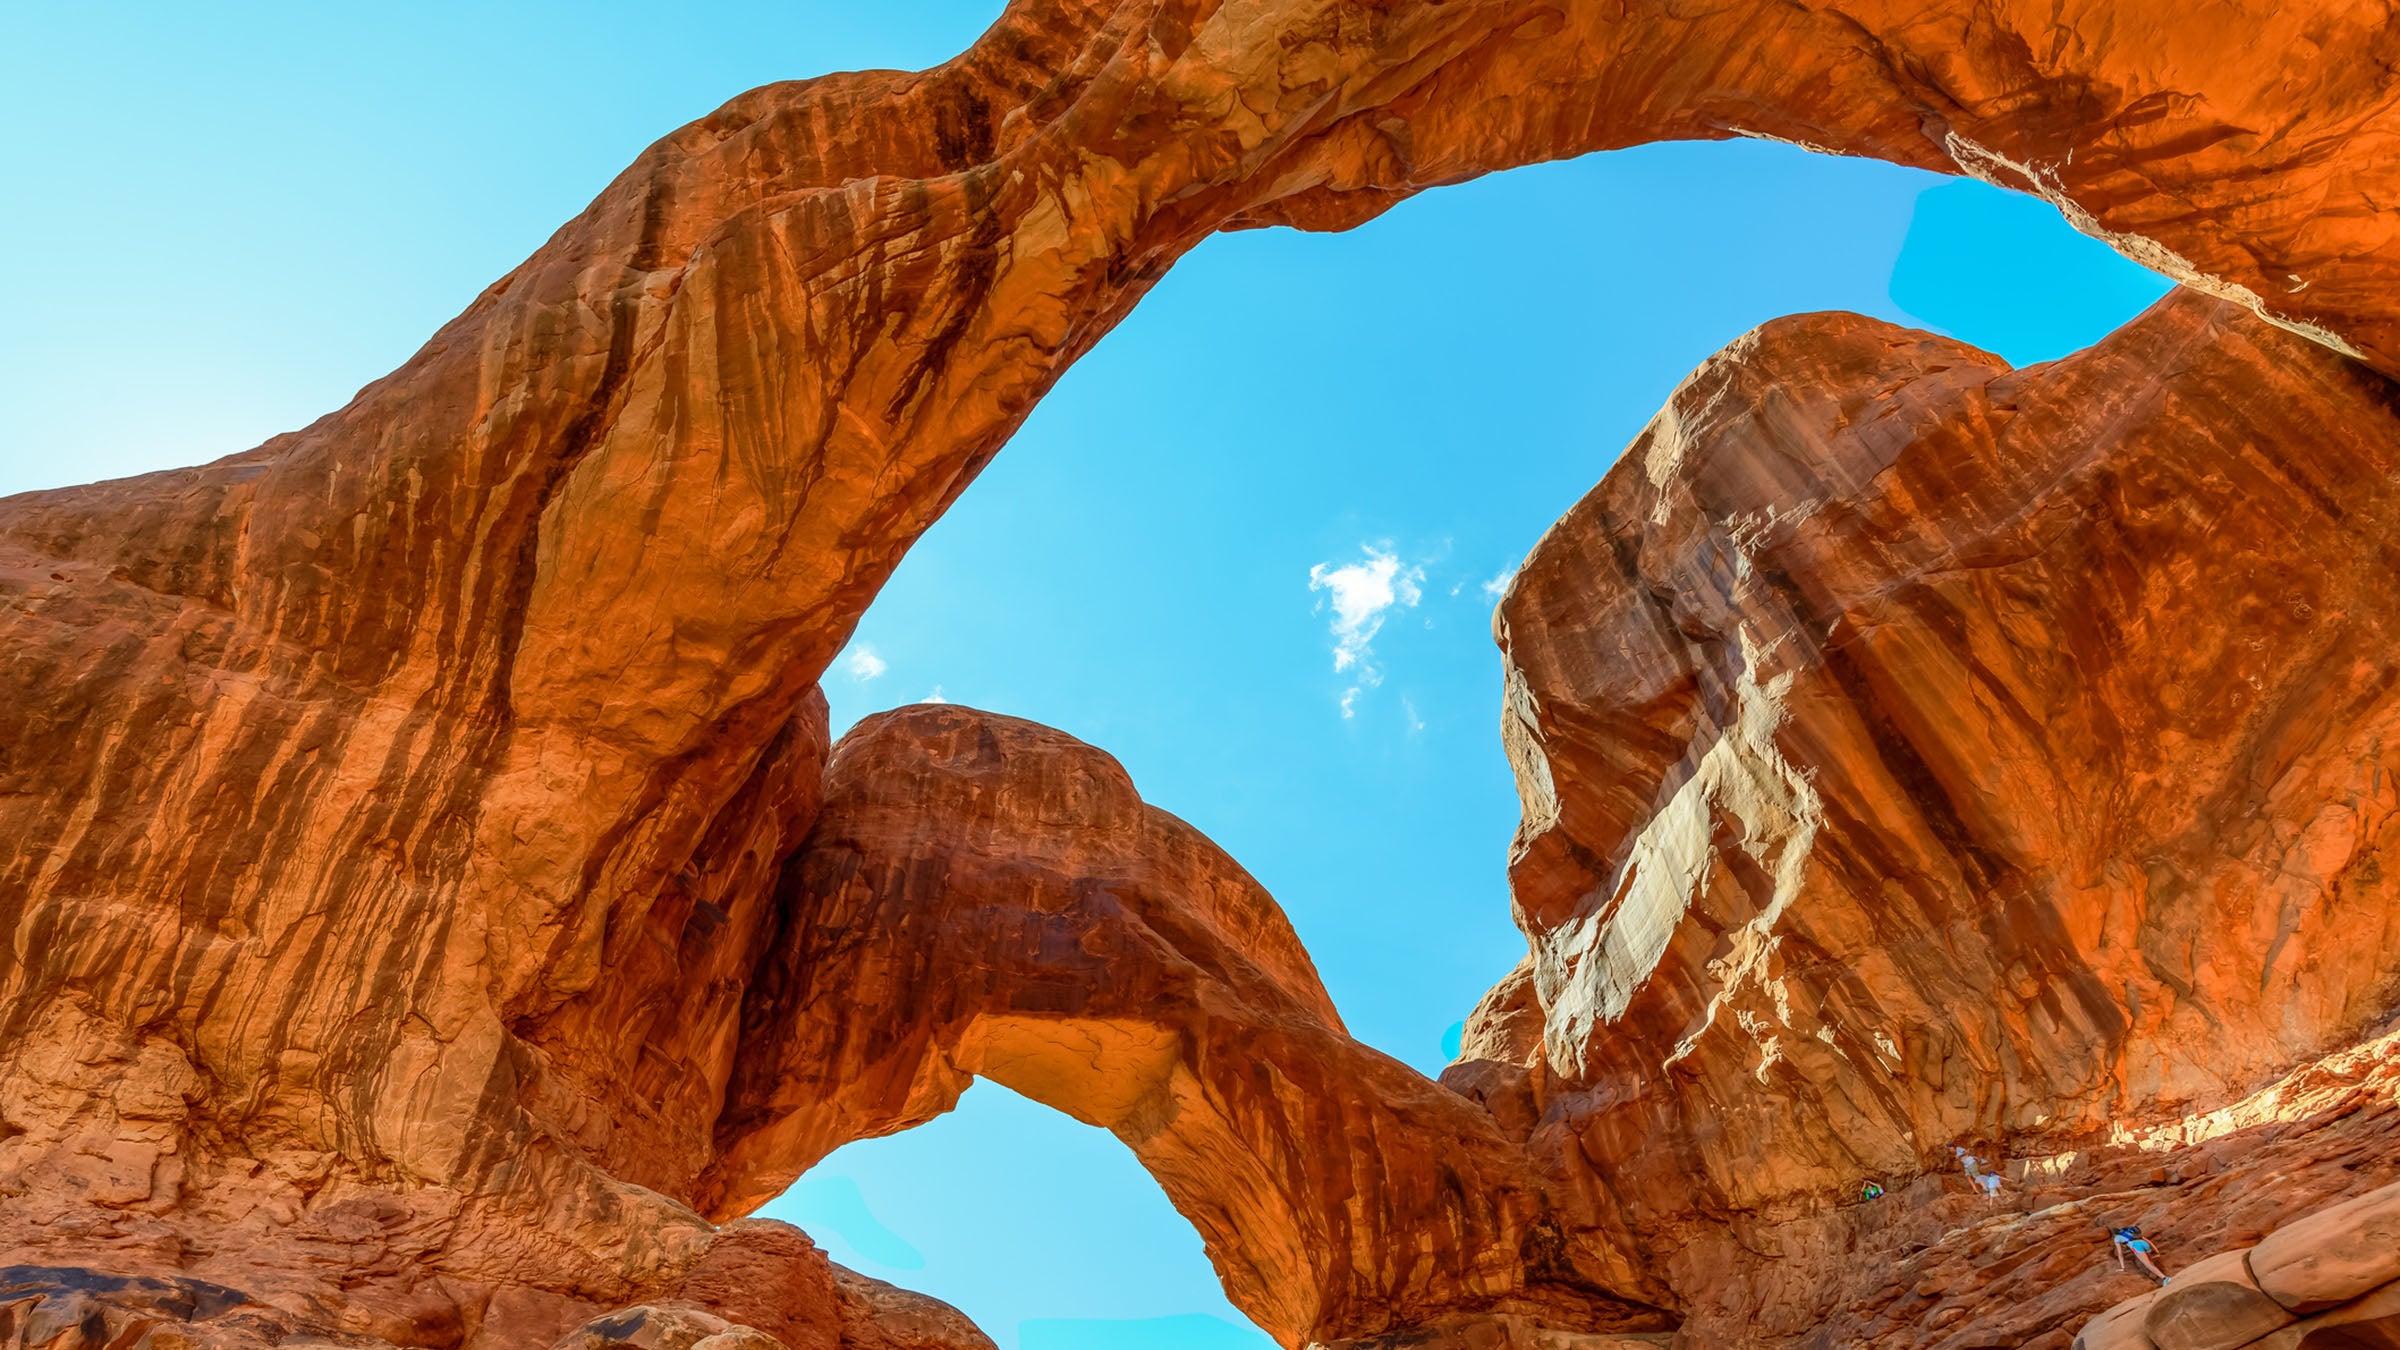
[2334,1255]
[878,1316]
[770,1277]
[2222,1302]
[1916,753]
[2369,1323]
[759,1285]
[389,815]
[2213,1305]
[2120,1328]
[985,897]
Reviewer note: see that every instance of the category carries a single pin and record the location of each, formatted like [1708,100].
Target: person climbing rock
[1873,1190]
[1986,1184]
[2130,1239]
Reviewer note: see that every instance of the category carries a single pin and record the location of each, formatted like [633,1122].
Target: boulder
[2369,1323]
[2333,1255]
[2213,1305]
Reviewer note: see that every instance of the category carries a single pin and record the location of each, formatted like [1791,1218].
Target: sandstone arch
[986,897]
[378,803]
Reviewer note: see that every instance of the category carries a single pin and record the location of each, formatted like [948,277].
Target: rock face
[392,818]
[1918,753]
[2330,1281]
[757,1285]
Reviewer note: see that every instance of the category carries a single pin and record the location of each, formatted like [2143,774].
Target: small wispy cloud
[1415,723]
[864,663]
[1498,586]
[1362,595]
[934,697]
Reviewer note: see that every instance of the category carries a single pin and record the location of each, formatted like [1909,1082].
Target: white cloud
[934,697]
[1362,594]
[1415,723]
[1498,586]
[864,664]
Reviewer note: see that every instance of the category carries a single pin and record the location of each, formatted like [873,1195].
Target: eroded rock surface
[2329,1281]
[1918,753]
[986,897]
[757,1285]
[389,816]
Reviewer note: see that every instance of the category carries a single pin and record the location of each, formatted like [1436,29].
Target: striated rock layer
[1918,753]
[334,1279]
[391,816]
[986,897]
[2330,1281]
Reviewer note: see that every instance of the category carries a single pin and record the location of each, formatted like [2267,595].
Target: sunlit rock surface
[390,816]
[1918,753]
[2328,1281]
[986,897]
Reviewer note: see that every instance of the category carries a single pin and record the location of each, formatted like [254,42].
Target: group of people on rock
[2127,1240]
[1986,1184]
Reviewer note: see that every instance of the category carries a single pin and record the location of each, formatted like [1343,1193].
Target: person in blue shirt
[2130,1239]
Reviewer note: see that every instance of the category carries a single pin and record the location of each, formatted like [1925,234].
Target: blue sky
[1244,546]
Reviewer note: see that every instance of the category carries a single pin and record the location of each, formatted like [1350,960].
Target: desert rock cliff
[1918,754]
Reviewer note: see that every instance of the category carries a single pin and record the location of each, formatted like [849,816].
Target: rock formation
[985,897]
[334,1279]
[1921,754]
[2330,1281]
[392,817]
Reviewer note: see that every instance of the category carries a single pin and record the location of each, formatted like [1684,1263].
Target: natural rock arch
[983,896]
[387,801]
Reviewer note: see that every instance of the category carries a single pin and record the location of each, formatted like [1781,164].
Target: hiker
[2130,1239]
[1986,1184]
[1873,1190]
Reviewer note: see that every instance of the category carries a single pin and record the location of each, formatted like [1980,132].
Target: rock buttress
[1918,753]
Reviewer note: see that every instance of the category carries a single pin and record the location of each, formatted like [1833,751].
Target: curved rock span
[986,897]
[402,824]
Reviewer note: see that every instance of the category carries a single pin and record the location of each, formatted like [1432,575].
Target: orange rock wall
[1919,753]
